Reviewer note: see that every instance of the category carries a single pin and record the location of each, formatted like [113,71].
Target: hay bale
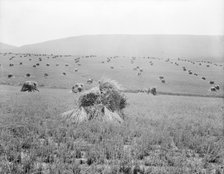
[78,87]
[97,112]
[104,102]
[153,91]
[109,84]
[28,75]
[111,97]
[30,86]
[89,98]
[75,115]
[10,76]
[112,116]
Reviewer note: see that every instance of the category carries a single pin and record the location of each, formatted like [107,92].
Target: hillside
[5,47]
[62,71]
[134,45]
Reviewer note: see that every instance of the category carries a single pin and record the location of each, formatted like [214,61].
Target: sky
[31,21]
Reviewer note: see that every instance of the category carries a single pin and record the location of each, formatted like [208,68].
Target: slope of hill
[134,73]
[134,45]
[5,47]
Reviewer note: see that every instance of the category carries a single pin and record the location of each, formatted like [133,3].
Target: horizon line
[220,35]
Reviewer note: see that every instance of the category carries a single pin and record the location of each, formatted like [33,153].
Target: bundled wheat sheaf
[104,102]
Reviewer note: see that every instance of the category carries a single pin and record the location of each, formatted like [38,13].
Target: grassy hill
[6,47]
[61,71]
[210,47]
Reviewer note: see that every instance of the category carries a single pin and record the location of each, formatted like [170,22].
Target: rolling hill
[63,71]
[5,47]
[133,45]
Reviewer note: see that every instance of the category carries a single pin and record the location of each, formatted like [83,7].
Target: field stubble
[161,134]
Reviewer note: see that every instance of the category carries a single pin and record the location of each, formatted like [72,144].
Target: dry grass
[173,136]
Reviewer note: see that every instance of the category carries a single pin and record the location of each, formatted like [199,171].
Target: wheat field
[160,134]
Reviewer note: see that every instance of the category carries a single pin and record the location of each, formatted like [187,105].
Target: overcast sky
[31,21]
